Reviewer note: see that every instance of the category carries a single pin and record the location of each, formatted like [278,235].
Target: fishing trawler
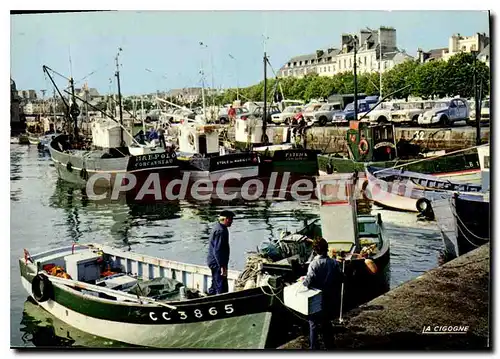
[375,145]
[200,156]
[281,150]
[107,161]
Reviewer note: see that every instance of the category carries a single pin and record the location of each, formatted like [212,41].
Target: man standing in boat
[323,274]
[161,136]
[218,253]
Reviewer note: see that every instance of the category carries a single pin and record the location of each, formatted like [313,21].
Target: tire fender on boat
[69,167]
[42,288]
[424,206]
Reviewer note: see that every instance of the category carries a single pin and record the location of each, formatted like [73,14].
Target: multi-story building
[374,48]
[27,94]
[484,55]
[457,44]
[14,104]
[186,95]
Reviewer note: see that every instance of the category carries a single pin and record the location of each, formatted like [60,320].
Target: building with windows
[457,44]
[375,48]
[484,55]
[27,94]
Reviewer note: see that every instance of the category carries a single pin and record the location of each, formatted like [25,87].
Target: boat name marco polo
[154,159]
[193,314]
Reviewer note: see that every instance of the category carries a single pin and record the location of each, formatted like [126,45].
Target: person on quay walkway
[324,274]
[232,115]
[218,253]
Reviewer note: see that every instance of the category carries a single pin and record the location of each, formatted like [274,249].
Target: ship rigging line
[431,158]
[112,118]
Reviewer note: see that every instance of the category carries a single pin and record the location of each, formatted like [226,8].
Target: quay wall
[333,139]
[454,294]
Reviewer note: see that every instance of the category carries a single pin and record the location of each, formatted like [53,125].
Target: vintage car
[324,114]
[287,115]
[485,112]
[407,112]
[382,114]
[343,117]
[444,112]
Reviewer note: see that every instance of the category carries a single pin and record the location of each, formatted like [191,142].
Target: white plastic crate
[301,299]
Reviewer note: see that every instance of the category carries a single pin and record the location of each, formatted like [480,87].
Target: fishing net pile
[274,251]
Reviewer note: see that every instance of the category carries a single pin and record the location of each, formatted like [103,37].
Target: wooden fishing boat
[286,158]
[201,156]
[358,242]
[105,166]
[464,222]
[146,301]
[375,145]
[409,191]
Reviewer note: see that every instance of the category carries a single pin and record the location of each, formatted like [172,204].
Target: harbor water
[48,213]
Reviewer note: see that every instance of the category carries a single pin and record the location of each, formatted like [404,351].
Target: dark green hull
[461,162]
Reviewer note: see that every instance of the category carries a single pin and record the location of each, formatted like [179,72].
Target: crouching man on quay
[324,274]
[218,253]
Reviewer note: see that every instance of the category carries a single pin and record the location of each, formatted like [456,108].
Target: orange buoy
[372,267]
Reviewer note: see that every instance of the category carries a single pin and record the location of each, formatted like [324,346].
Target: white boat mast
[380,64]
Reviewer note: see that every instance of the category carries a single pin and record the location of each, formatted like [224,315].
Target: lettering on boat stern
[192,313]
[151,160]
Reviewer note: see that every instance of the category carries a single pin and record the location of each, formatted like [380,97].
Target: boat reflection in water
[42,329]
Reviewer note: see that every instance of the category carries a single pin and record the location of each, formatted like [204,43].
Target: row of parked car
[442,112]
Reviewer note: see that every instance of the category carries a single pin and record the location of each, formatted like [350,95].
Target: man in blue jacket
[324,274]
[218,253]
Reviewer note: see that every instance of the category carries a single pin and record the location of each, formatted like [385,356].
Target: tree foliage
[434,79]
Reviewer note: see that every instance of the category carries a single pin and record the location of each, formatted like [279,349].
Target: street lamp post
[237,82]
[477,100]
[355,40]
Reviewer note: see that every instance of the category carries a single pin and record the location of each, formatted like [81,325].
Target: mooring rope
[454,211]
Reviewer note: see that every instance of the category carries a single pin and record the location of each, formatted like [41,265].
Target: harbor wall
[456,294]
[333,139]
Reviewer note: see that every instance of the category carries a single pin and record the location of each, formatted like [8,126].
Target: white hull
[157,336]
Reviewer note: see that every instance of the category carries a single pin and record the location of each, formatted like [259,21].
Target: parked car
[258,112]
[444,113]
[287,115]
[485,112]
[347,115]
[324,114]
[283,104]
[224,117]
[306,110]
[382,114]
[407,112]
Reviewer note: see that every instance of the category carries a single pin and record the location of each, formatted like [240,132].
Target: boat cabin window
[367,228]
[383,133]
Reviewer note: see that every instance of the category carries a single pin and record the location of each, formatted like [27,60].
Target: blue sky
[167,43]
